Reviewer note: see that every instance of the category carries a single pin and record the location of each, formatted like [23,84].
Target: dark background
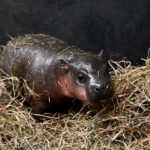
[120,27]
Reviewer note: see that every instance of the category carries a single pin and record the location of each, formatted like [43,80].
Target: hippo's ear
[64,65]
[101,55]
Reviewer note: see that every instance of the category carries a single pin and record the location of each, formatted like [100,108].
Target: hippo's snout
[101,88]
[100,91]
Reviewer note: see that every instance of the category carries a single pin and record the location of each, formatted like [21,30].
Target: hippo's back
[30,53]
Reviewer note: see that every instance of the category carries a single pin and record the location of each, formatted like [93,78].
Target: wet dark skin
[56,71]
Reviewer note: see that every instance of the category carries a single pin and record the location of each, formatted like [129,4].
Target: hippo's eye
[82,77]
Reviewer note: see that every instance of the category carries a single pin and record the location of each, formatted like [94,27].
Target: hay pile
[123,124]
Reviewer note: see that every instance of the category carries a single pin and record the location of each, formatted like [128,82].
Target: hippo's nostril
[108,87]
[97,89]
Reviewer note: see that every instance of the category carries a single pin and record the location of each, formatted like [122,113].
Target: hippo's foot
[38,107]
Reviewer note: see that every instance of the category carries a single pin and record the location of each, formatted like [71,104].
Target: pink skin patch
[70,89]
[80,93]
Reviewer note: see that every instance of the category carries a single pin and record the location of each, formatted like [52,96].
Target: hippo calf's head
[87,79]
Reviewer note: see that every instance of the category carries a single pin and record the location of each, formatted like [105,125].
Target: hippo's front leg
[38,107]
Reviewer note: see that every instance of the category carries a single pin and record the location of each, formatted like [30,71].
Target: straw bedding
[124,123]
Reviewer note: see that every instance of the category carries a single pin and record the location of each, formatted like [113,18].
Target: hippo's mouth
[103,100]
[100,100]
